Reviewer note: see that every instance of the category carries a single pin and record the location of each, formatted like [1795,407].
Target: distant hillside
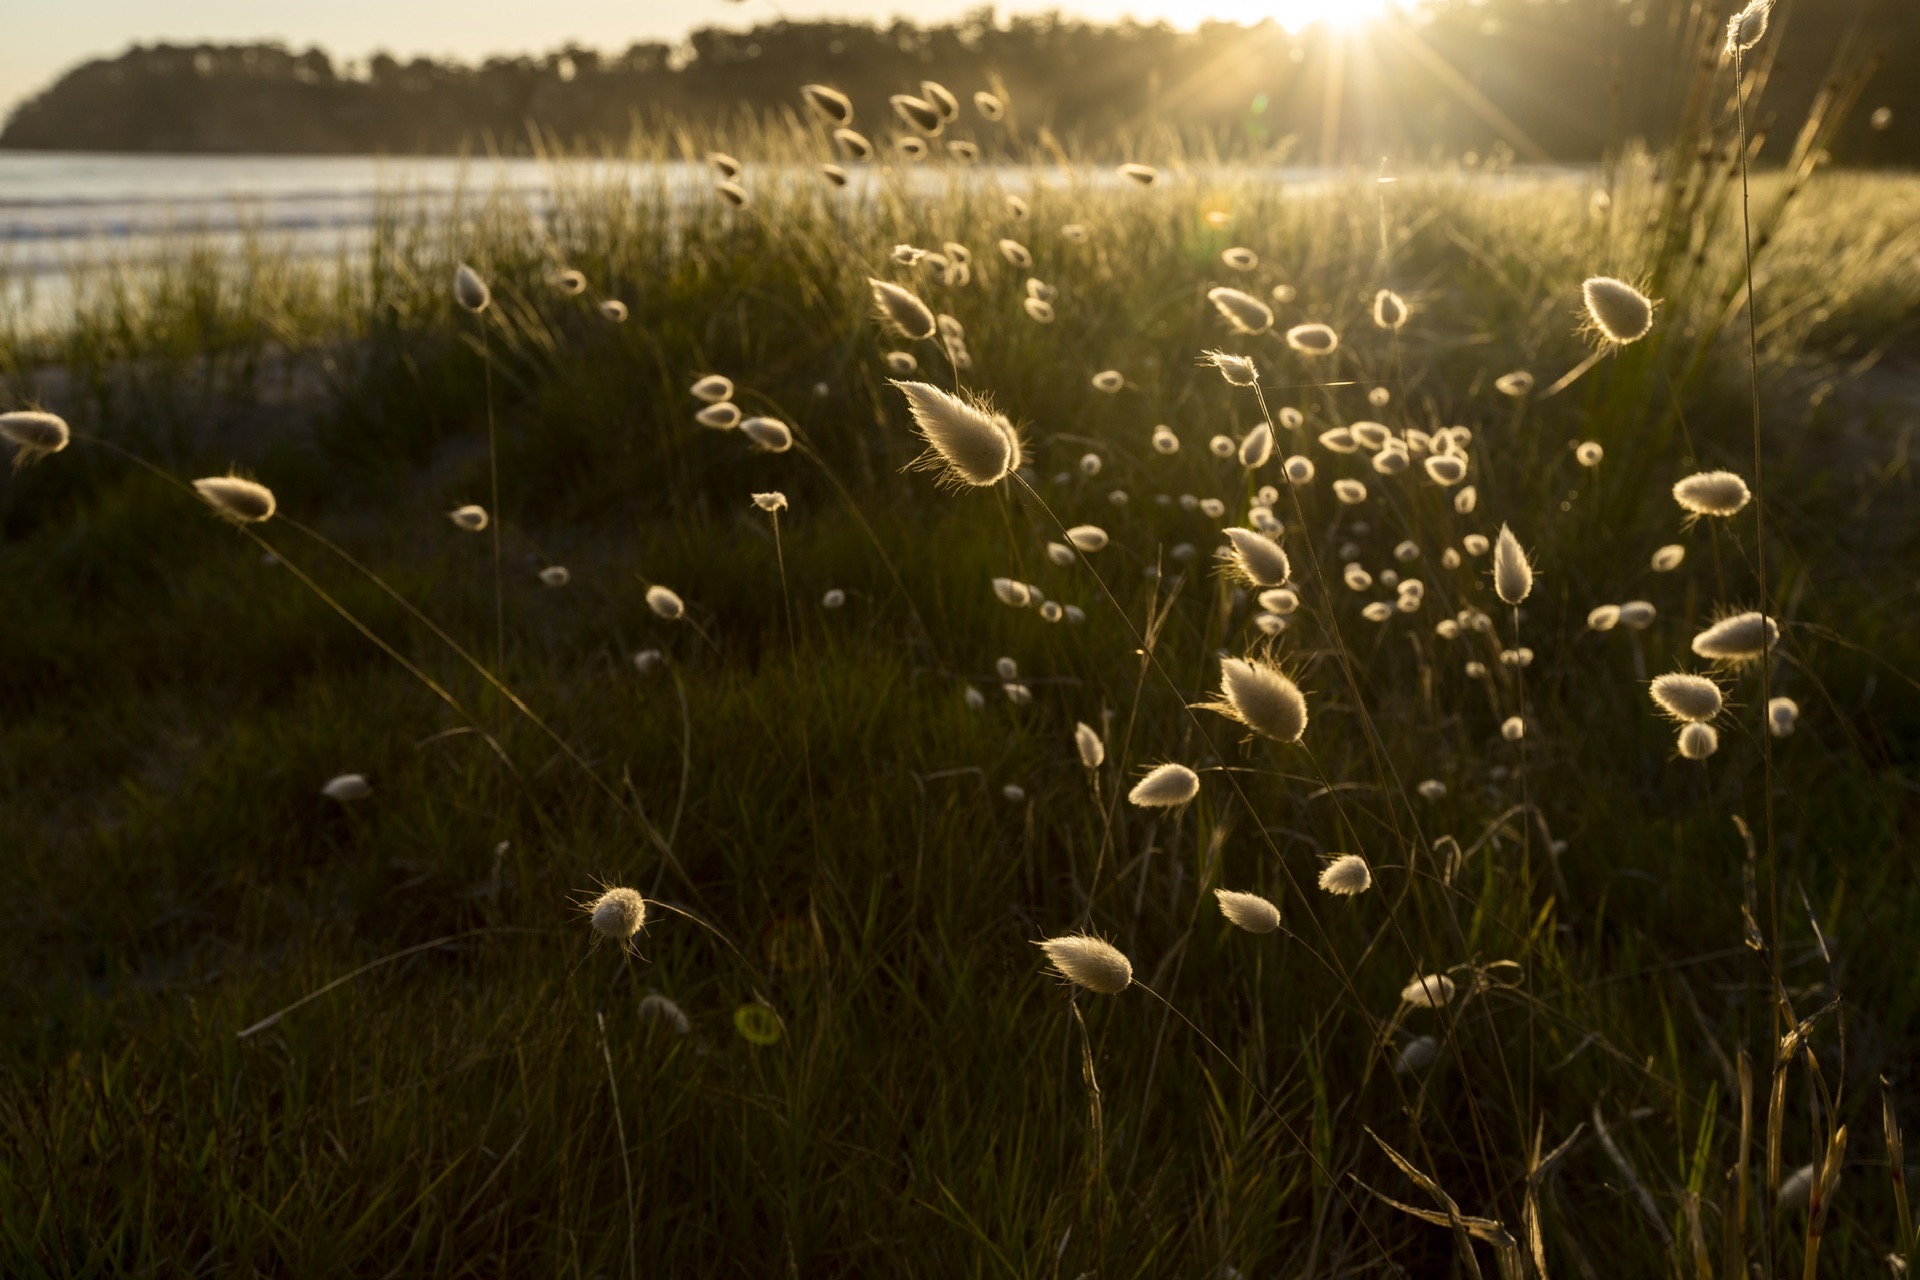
[1556,79]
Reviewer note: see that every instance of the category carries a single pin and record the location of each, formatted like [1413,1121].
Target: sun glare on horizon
[1294,15]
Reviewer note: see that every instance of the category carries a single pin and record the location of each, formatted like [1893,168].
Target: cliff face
[1559,79]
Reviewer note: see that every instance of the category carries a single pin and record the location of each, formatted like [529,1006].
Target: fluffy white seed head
[1465,501]
[1256,447]
[556,575]
[1428,991]
[941,98]
[658,1008]
[1589,453]
[1016,254]
[1240,258]
[1390,310]
[1668,558]
[618,914]
[853,144]
[1087,743]
[828,103]
[1417,1054]
[1039,310]
[967,442]
[1089,962]
[1783,716]
[1512,574]
[901,363]
[988,105]
[1262,697]
[1087,537]
[1165,786]
[1347,876]
[724,416]
[647,661]
[768,434]
[1257,559]
[833,598]
[1516,384]
[568,282]
[770,502]
[1350,492]
[1313,339]
[1697,741]
[1432,789]
[235,499]
[723,164]
[347,788]
[1513,728]
[732,192]
[615,310]
[1445,468]
[834,174]
[1248,911]
[1603,617]
[1280,600]
[1299,469]
[713,388]
[1244,313]
[1061,554]
[1738,638]
[1144,175]
[33,434]
[917,113]
[901,310]
[666,603]
[1686,697]
[1746,28]
[1015,595]
[1620,312]
[469,290]
[1712,493]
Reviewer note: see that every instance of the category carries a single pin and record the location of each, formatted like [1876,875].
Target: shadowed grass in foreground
[873,1073]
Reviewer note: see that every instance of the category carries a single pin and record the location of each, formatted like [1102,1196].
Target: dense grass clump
[1447,953]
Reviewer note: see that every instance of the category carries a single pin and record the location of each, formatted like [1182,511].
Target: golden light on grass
[1617,310]
[1089,962]
[1259,695]
[1239,371]
[968,444]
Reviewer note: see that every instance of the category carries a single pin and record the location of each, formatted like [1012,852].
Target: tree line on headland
[1545,79]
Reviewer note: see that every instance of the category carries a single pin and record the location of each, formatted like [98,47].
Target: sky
[44,38]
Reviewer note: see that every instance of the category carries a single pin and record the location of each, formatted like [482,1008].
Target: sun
[1295,15]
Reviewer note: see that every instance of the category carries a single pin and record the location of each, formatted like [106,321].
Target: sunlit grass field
[835,1049]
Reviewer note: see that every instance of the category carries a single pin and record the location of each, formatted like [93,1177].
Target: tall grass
[878,1074]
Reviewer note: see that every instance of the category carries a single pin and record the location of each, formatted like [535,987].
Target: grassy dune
[876,1073]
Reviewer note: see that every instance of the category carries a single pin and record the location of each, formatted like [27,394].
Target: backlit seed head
[1219,447]
[834,174]
[568,283]
[1018,694]
[1512,574]
[1620,312]
[1165,786]
[1144,175]
[1087,537]
[1668,558]
[1347,876]
[1339,440]
[1466,500]
[966,152]
[1109,381]
[1087,743]
[1370,435]
[1783,716]
[1090,464]
[1256,447]
[967,442]
[1417,1054]
[1014,793]
[1313,339]
[911,148]
[1445,468]
[853,145]
[1376,611]
[556,575]
[1392,460]
[1038,310]
[833,598]
[1356,577]
[1248,911]
[723,164]
[1513,728]
[1588,453]
[1739,638]
[901,363]
[1389,309]
[1015,595]
[1283,293]
[1350,492]
[1089,962]
[658,1008]
[1686,697]
[1291,418]
[917,113]
[1712,493]
[1637,615]
[1299,469]
[469,290]
[666,603]
[768,434]
[1243,312]
[724,416]
[1256,559]
[1006,668]
[989,106]
[941,98]
[901,310]
[1432,789]
[1016,254]
[1603,617]
[238,500]
[33,434]
[1746,28]
[732,192]
[1697,741]
[770,502]
[713,388]
[469,519]
[1280,600]
[618,914]
[1262,697]
[1475,544]
[1429,991]
[1074,233]
[1240,258]
[347,788]
[1164,441]
[1515,384]
[614,310]
[829,104]
[647,661]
